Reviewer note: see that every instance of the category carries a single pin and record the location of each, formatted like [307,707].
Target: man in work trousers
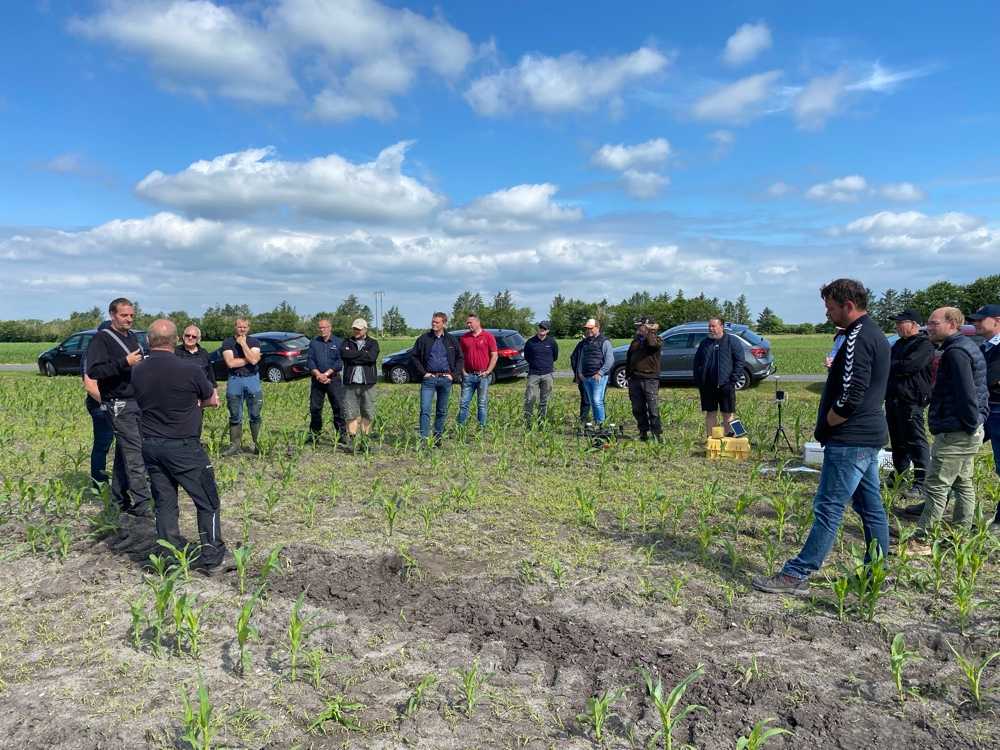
[642,368]
[360,354]
[112,354]
[104,433]
[987,320]
[540,352]
[958,410]
[437,359]
[906,399]
[241,353]
[171,392]
[718,364]
[479,354]
[325,365]
[592,360]
[852,429]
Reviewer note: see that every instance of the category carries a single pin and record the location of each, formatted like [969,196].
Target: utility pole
[379,310]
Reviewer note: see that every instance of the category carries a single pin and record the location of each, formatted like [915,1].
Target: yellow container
[735,447]
[718,432]
[713,447]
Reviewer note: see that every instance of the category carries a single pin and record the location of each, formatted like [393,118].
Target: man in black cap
[987,321]
[541,352]
[907,395]
[642,368]
[171,392]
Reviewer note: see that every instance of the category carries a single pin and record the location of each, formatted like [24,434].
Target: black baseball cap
[546,324]
[644,321]
[986,311]
[909,315]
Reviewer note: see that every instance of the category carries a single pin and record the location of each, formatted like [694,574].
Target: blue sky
[190,153]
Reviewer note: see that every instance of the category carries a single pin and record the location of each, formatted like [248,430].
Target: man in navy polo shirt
[325,364]
[241,353]
[541,352]
[479,350]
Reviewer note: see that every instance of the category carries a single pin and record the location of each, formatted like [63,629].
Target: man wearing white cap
[592,360]
[360,355]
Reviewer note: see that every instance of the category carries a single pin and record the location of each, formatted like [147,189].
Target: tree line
[567,314]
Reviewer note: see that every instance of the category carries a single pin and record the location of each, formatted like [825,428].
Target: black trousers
[129,470]
[644,393]
[332,392]
[908,438]
[184,462]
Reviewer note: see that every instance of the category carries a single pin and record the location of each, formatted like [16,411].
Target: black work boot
[235,440]
[255,432]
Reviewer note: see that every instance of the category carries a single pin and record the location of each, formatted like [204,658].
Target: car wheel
[50,370]
[745,380]
[398,375]
[618,378]
[274,374]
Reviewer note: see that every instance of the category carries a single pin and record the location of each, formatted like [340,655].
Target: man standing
[541,352]
[852,428]
[479,352]
[104,433]
[906,397]
[642,368]
[437,359]
[959,408]
[241,353]
[112,354]
[718,364]
[592,360]
[326,365]
[360,354]
[171,391]
[987,320]
[192,351]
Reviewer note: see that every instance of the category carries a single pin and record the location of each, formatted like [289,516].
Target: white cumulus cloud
[901,191]
[561,84]
[644,185]
[748,41]
[780,189]
[619,157]
[819,100]
[329,187]
[952,232]
[514,209]
[841,190]
[739,101]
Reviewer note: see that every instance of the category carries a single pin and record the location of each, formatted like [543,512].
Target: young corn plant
[241,556]
[183,557]
[271,564]
[191,629]
[315,657]
[866,580]
[973,671]
[139,622]
[898,656]
[599,709]
[759,735]
[299,630]
[417,697]
[472,684]
[163,599]
[586,508]
[200,724]
[339,710]
[390,511]
[245,631]
[667,704]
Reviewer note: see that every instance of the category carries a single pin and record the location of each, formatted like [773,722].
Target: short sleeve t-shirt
[476,350]
[230,345]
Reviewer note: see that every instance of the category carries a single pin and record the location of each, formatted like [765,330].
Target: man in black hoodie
[906,398]
[959,408]
[851,426]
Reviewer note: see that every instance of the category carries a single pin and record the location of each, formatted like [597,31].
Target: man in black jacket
[325,366]
[360,355]
[540,352]
[437,358]
[987,320]
[191,350]
[718,364]
[906,398]
[959,408]
[642,368]
[851,426]
[112,354]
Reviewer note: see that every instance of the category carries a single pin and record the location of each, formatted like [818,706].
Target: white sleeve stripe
[848,365]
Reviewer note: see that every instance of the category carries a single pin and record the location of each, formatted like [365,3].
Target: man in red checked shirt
[479,350]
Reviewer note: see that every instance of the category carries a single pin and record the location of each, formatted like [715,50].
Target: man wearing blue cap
[987,321]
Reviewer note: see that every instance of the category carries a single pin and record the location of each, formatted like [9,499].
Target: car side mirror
[60,348]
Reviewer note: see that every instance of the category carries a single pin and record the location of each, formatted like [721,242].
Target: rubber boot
[255,432]
[235,440]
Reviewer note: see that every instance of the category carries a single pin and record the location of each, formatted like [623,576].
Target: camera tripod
[779,399]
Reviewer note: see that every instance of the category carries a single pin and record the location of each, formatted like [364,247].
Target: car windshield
[750,337]
[299,342]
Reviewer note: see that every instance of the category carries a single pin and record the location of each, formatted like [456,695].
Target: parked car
[680,344]
[283,357]
[65,358]
[397,368]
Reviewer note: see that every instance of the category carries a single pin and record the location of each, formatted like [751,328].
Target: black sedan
[283,357]
[397,368]
[65,358]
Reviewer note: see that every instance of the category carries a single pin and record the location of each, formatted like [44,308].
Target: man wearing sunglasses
[191,350]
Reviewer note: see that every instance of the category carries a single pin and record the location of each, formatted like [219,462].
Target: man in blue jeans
[592,360]
[479,353]
[987,320]
[437,359]
[241,353]
[852,428]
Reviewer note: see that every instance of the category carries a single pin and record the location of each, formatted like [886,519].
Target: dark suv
[65,358]
[680,344]
[397,368]
[283,356]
